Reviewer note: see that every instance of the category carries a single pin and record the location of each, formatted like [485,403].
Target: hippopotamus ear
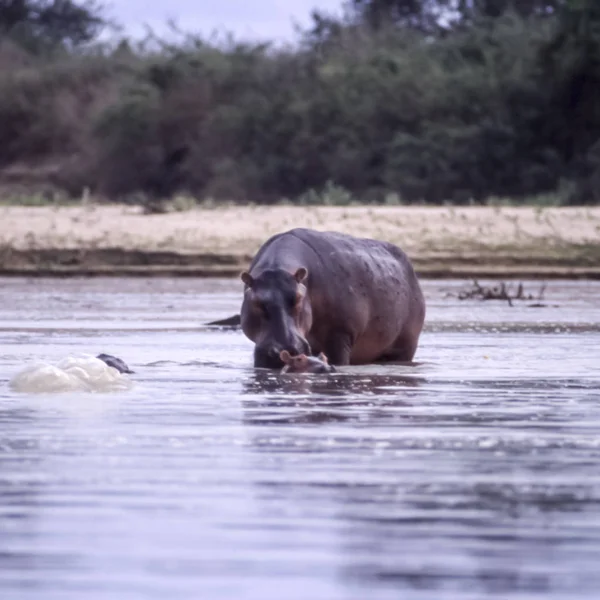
[247,278]
[301,274]
[285,356]
[323,358]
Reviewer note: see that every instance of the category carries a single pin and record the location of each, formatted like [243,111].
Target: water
[474,474]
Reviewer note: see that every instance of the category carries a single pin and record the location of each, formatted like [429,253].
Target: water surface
[474,474]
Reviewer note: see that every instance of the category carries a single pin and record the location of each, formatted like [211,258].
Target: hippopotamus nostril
[273,352]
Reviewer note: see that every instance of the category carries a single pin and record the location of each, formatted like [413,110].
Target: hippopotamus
[355,299]
[116,363]
[305,364]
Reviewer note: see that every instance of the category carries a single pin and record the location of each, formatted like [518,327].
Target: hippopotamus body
[357,300]
[305,364]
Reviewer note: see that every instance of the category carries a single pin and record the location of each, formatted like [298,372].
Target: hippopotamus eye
[261,307]
[292,301]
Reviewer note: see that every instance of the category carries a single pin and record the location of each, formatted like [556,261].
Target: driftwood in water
[500,292]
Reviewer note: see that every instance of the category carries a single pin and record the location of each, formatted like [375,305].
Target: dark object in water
[305,364]
[234,321]
[500,292]
[116,363]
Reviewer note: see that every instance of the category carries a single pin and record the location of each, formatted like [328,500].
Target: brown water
[475,474]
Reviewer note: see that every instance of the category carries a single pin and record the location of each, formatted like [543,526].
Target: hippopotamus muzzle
[268,355]
[276,314]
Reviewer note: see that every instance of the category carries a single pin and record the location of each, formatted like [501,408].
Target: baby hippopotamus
[305,364]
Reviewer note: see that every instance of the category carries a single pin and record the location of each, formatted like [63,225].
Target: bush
[351,114]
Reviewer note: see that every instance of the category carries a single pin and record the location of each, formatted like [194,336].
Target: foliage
[407,107]
[44,25]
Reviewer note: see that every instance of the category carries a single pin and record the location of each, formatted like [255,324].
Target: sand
[120,239]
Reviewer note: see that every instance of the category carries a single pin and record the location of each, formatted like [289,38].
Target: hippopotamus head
[116,363]
[305,364]
[276,314]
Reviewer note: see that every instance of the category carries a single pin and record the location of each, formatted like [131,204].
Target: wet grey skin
[357,300]
[305,364]
[117,363]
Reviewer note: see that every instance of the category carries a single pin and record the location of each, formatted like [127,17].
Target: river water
[474,474]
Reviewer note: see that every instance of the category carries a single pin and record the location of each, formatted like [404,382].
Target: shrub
[352,113]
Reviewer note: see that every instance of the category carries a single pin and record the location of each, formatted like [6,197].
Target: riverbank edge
[117,262]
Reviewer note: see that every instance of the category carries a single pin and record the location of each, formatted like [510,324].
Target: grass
[38,200]
[331,196]
[550,199]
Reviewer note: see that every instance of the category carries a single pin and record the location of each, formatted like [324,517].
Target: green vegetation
[399,101]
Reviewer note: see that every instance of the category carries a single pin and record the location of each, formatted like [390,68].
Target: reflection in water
[502,553]
[451,514]
[476,521]
[18,494]
[470,474]
[322,387]
[304,398]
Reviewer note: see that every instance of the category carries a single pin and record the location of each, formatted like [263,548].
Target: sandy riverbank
[442,241]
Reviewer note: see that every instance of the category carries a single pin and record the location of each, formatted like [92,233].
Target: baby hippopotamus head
[305,364]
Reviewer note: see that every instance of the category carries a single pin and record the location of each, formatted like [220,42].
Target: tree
[427,16]
[42,24]
[571,73]
[435,16]
[472,9]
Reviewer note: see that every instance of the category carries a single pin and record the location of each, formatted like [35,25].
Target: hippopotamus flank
[305,364]
[357,300]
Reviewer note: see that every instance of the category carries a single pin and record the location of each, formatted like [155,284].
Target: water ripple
[473,473]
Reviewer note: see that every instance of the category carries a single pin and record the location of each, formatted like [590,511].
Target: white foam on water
[80,373]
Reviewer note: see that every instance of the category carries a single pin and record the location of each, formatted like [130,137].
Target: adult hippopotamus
[357,300]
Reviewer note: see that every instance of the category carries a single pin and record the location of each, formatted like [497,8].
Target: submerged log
[500,292]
